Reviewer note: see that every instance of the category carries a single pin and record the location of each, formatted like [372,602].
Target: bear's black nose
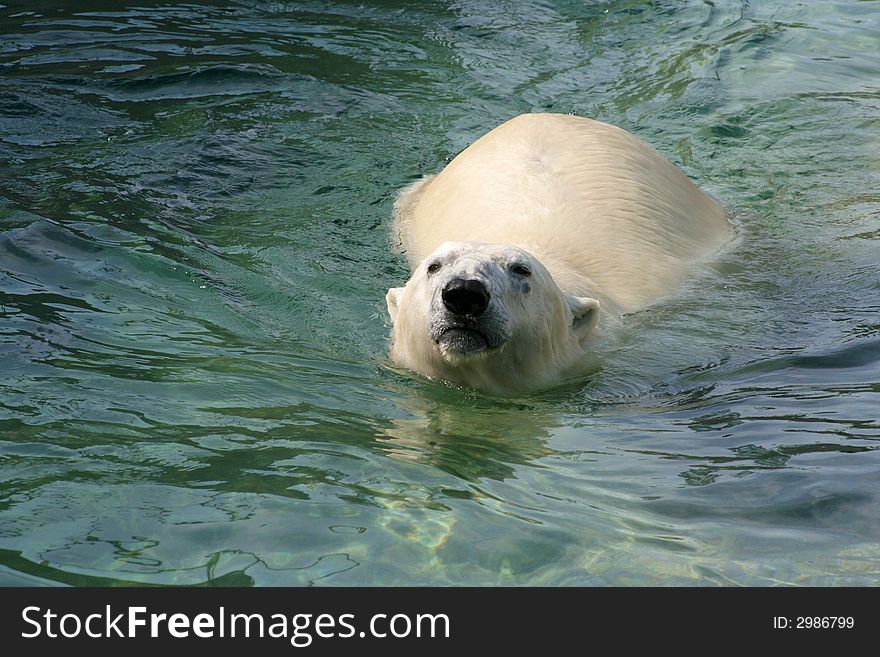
[465,297]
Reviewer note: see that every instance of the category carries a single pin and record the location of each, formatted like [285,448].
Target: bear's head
[489,316]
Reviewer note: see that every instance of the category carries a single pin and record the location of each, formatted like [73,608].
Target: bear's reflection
[467,436]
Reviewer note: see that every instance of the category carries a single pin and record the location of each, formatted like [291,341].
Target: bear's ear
[393,300]
[585,312]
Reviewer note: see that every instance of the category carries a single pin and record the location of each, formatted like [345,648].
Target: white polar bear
[520,239]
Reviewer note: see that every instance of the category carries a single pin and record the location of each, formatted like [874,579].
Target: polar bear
[520,240]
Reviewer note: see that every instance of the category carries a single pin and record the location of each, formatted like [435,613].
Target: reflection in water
[470,436]
[194,389]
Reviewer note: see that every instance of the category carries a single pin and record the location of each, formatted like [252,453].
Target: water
[194,254]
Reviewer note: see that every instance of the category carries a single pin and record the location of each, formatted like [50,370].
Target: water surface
[194,253]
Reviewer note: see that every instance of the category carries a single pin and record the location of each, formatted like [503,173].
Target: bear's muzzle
[466,297]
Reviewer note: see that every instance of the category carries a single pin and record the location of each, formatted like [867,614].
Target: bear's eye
[433,267]
[521,270]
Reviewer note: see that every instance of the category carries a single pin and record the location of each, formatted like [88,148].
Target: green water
[194,253]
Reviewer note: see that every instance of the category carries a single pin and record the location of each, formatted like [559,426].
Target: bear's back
[606,213]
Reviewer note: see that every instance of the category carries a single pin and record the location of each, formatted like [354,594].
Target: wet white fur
[605,215]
